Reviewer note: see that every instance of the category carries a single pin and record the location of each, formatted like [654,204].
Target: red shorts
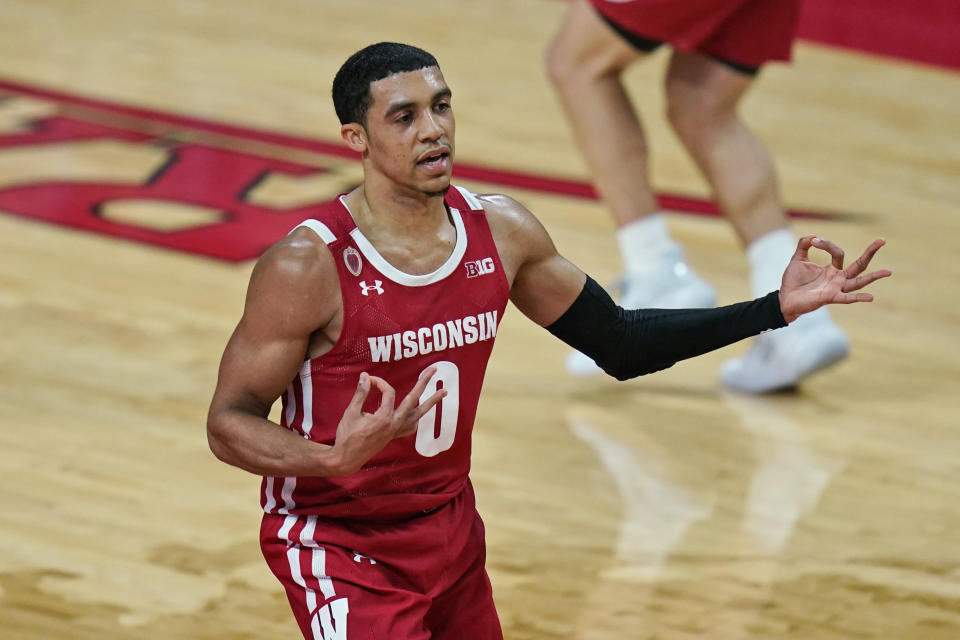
[749,32]
[415,579]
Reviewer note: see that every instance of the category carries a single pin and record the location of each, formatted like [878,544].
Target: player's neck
[396,212]
[414,234]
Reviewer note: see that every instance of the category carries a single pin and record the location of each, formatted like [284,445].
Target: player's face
[410,129]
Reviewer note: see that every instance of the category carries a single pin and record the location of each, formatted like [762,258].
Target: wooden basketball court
[663,508]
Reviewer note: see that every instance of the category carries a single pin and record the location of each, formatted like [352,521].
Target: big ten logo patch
[218,196]
[479,267]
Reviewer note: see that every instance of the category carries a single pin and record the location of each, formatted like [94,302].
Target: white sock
[769,256]
[643,242]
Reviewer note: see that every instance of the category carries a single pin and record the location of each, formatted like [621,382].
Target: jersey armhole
[473,202]
[329,239]
[318,228]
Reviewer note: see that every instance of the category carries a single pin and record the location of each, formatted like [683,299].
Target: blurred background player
[718,48]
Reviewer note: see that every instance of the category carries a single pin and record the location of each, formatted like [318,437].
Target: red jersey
[396,325]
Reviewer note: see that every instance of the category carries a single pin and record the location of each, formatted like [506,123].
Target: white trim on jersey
[270,504]
[289,482]
[288,523]
[318,562]
[407,279]
[286,492]
[318,570]
[306,387]
[291,414]
[318,228]
[471,199]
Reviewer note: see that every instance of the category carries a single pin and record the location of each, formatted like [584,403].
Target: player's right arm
[293,298]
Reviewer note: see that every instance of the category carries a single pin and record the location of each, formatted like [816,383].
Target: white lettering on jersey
[455,332]
[409,344]
[479,267]
[380,348]
[451,334]
[439,337]
[470,329]
[423,340]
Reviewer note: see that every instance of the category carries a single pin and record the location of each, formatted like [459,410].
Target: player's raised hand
[361,435]
[807,286]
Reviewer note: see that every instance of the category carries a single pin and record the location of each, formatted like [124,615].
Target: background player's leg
[585,61]
[702,99]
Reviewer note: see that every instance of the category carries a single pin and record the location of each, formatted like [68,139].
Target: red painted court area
[219,177]
[215,177]
[926,31]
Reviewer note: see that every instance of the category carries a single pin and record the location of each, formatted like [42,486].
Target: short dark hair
[351,86]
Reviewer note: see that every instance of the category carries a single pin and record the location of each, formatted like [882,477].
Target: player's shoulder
[299,258]
[505,214]
[294,286]
[516,231]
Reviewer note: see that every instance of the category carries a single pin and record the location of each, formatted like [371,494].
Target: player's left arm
[556,294]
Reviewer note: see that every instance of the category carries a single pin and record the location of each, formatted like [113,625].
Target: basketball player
[718,46]
[374,323]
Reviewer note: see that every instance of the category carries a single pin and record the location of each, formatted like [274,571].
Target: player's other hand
[361,435]
[807,286]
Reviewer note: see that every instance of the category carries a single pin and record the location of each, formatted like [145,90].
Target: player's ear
[355,136]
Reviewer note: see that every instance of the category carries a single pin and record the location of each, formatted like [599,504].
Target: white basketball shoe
[672,285]
[782,358]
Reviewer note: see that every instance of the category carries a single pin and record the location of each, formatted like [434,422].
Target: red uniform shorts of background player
[746,32]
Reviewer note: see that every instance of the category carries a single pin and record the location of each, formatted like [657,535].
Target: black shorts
[649,45]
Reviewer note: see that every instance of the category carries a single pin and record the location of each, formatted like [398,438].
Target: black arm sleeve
[630,343]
